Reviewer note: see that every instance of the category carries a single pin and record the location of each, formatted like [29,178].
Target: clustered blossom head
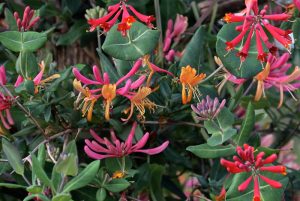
[275,75]
[208,109]
[246,161]
[189,81]
[114,11]
[28,20]
[101,148]
[173,35]
[5,102]
[254,24]
[135,92]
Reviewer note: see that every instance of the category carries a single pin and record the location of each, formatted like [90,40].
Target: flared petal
[154,151]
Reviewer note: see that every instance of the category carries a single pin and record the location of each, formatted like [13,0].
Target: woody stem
[34,121]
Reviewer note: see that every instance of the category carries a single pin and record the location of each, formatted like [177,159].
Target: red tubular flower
[244,52]
[252,18]
[246,161]
[103,148]
[114,11]
[28,21]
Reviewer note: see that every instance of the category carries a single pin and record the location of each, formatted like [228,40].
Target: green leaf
[117,185]
[250,67]
[38,170]
[10,20]
[108,67]
[156,192]
[13,156]
[27,66]
[22,41]
[101,194]
[29,86]
[220,128]
[220,137]
[140,41]
[194,51]
[85,177]
[296,32]
[75,32]
[267,192]
[247,125]
[34,189]
[33,196]
[62,197]
[10,185]
[68,162]
[206,151]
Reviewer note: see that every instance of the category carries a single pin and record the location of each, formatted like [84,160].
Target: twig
[173,123]
[159,26]
[34,121]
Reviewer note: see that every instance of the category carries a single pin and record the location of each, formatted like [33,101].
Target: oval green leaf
[140,41]
[250,67]
[206,151]
[22,41]
[117,185]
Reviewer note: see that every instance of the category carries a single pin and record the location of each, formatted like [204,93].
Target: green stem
[123,164]
[213,16]
[195,10]
[159,26]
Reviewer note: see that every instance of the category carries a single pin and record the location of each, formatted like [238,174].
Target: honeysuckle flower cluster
[254,24]
[173,35]
[275,75]
[208,109]
[101,148]
[114,12]
[5,102]
[247,161]
[28,20]
[189,81]
[133,91]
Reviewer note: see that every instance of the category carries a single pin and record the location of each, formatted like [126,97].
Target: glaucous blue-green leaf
[13,156]
[247,125]
[22,41]
[250,67]
[26,65]
[68,161]
[220,128]
[140,40]
[10,20]
[83,178]
[206,151]
[266,191]
[194,51]
[117,185]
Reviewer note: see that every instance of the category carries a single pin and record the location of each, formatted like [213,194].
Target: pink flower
[173,35]
[28,21]
[253,25]
[297,4]
[114,11]
[275,75]
[104,88]
[101,148]
[5,103]
[246,161]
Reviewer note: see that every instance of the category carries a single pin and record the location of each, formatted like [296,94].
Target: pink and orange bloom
[5,102]
[101,148]
[246,161]
[275,75]
[114,12]
[254,24]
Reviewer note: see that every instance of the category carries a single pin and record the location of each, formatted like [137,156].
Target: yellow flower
[260,77]
[118,175]
[88,101]
[140,101]
[109,93]
[189,80]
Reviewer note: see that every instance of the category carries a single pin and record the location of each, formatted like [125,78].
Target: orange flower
[189,81]
[109,93]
